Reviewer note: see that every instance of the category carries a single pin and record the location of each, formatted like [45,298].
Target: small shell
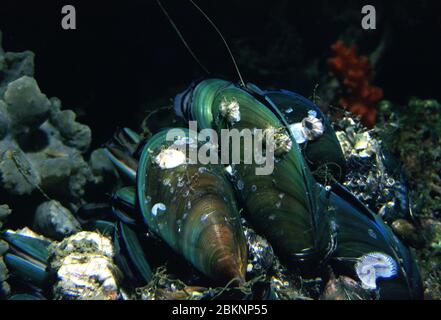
[312,127]
[375,265]
[309,129]
[282,141]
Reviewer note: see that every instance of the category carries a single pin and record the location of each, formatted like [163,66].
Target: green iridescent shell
[323,152]
[361,234]
[192,207]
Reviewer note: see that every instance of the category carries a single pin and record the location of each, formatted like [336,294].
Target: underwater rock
[4,119]
[3,247]
[27,107]
[74,134]
[33,153]
[14,65]
[103,170]
[4,274]
[5,211]
[41,145]
[54,221]
[3,271]
[84,267]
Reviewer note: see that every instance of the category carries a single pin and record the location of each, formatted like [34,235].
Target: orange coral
[355,73]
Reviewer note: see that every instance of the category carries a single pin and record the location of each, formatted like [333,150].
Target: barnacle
[309,129]
[230,109]
[373,266]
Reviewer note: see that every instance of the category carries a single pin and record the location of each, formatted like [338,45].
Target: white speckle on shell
[372,234]
[204,217]
[170,158]
[289,110]
[183,141]
[229,170]
[373,266]
[202,170]
[312,113]
[157,208]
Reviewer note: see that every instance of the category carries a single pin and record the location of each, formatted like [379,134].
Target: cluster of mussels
[312,225]
[305,230]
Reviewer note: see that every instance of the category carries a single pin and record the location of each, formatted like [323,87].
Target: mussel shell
[281,205]
[28,270]
[200,93]
[32,247]
[361,232]
[199,218]
[302,220]
[27,259]
[130,257]
[323,151]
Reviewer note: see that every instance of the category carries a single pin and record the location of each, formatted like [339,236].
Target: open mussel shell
[191,207]
[368,250]
[279,205]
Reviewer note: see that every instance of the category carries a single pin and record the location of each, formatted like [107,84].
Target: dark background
[124,58]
